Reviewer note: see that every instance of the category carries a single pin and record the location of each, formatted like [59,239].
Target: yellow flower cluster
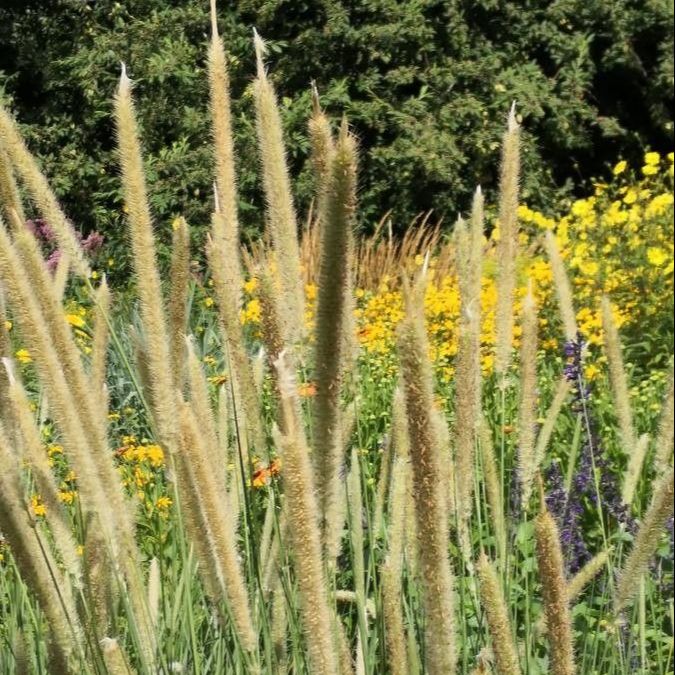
[135,453]
[618,241]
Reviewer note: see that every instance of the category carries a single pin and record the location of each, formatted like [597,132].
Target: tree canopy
[426,84]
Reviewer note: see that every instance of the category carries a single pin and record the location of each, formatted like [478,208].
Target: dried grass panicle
[35,182]
[154,592]
[78,442]
[634,469]
[164,401]
[468,381]
[279,628]
[619,380]
[227,299]
[317,617]
[99,478]
[562,287]
[392,569]
[38,567]
[383,484]
[664,438]
[224,153]
[497,614]
[34,456]
[544,437]
[57,328]
[528,398]
[222,563]
[355,506]
[646,541]
[23,663]
[280,209]
[271,308]
[101,585]
[61,274]
[5,353]
[114,658]
[177,301]
[586,574]
[396,446]
[200,399]
[555,594]
[10,197]
[430,501]
[507,247]
[493,488]
[322,148]
[331,310]
[99,344]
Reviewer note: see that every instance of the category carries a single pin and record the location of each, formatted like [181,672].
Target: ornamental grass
[317,453]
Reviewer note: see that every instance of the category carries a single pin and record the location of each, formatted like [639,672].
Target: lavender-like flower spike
[568,508]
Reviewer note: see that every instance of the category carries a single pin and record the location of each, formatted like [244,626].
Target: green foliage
[426,85]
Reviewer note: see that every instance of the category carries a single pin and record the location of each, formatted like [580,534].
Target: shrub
[425,85]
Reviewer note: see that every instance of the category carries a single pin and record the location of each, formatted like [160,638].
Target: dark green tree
[426,85]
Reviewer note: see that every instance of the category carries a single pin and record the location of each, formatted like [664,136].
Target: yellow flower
[591,371]
[620,167]
[310,291]
[630,198]
[163,503]
[650,170]
[251,312]
[67,496]
[39,509]
[652,158]
[250,285]
[153,453]
[656,256]
[23,356]
[218,380]
[54,450]
[75,320]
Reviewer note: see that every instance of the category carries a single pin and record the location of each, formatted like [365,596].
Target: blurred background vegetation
[425,83]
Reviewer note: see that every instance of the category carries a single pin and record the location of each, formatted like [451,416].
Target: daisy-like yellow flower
[39,509]
[250,285]
[75,320]
[620,167]
[23,356]
[163,503]
[656,256]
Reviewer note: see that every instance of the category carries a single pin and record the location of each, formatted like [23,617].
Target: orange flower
[260,477]
[306,389]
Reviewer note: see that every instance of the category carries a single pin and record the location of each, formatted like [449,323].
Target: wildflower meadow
[446,452]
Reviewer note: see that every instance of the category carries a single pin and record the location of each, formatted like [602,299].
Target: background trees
[425,83]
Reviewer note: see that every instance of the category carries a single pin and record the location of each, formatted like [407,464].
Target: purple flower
[93,242]
[568,513]
[53,260]
[46,237]
[573,371]
[569,507]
